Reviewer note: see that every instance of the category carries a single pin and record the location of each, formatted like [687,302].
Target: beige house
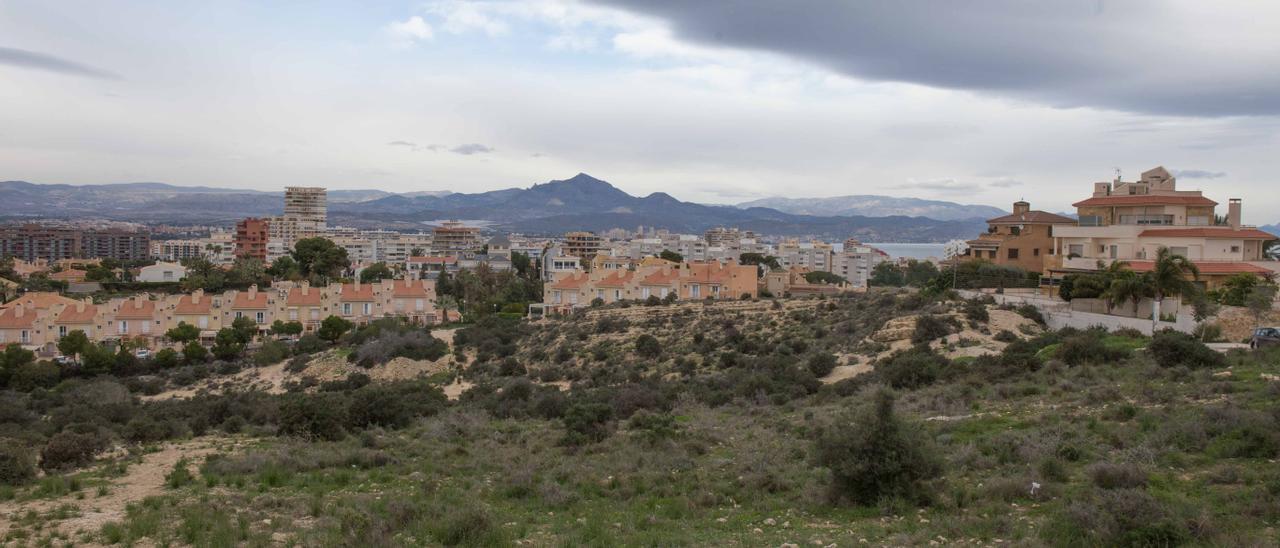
[656,278]
[1132,221]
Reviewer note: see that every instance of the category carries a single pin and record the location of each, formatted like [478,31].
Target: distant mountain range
[1274,229]
[578,203]
[877,206]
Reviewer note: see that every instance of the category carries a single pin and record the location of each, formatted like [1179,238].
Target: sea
[911,251]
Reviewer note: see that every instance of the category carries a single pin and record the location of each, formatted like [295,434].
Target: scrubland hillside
[888,418]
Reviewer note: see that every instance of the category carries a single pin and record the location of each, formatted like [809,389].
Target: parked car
[142,353]
[1265,336]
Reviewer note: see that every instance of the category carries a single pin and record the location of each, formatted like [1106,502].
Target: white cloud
[462,17]
[571,42]
[409,32]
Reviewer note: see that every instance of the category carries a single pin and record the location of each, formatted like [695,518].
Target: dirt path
[142,480]
[842,372]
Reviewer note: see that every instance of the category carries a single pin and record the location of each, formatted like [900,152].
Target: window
[644,293]
[599,293]
[62,331]
[346,309]
[368,308]
[1013,254]
[123,327]
[146,328]
[1035,252]
[262,317]
[555,297]
[1180,250]
[695,291]
[293,314]
[203,322]
[617,294]
[239,314]
[1075,249]
[1235,249]
[315,313]
[1015,230]
[418,305]
[25,336]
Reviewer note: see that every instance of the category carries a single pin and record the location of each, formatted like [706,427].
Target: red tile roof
[433,260]
[70,314]
[1033,217]
[9,318]
[1223,233]
[708,273]
[1146,199]
[1208,267]
[617,279]
[136,309]
[352,293]
[40,300]
[572,281]
[68,275]
[243,300]
[188,305]
[303,296]
[661,277]
[409,288]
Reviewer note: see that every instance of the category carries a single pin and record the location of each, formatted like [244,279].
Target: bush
[821,364]
[271,352]
[67,450]
[648,346]
[1030,312]
[1089,347]
[586,423]
[319,416]
[393,406]
[1117,476]
[1117,517]
[166,358]
[309,344]
[976,310]
[1005,336]
[919,366]
[414,345]
[873,455]
[1172,349]
[16,465]
[928,328]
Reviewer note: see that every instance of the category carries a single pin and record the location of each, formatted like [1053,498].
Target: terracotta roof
[352,293]
[661,277]
[242,300]
[186,305]
[1033,217]
[408,288]
[1224,233]
[1145,199]
[433,260]
[130,309]
[9,318]
[617,279]
[303,296]
[69,274]
[1208,267]
[708,273]
[70,314]
[572,281]
[39,301]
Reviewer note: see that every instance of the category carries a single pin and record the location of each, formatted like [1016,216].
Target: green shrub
[1172,349]
[166,358]
[1089,347]
[318,416]
[180,476]
[930,327]
[821,364]
[67,450]
[271,352]
[913,368]
[976,310]
[586,423]
[1117,476]
[16,465]
[873,455]
[648,346]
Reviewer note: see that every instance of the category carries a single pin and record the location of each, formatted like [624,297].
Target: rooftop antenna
[1117,174]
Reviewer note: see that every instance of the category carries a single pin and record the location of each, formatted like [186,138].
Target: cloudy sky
[714,101]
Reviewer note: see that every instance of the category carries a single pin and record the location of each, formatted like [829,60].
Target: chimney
[80,305]
[253,292]
[137,304]
[1233,213]
[196,295]
[1021,207]
[18,311]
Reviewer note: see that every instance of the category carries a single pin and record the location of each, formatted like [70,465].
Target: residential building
[454,237]
[856,262]
[178,250]
[162,272]
[305,215]
[33,242]
[429,268]
[124,245]
[1131,221]
[1022,239]
[813,255]
[583,244]
[251,238]
[688,281]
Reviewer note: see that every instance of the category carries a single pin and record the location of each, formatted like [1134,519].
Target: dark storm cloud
[41,61]
[1147,56]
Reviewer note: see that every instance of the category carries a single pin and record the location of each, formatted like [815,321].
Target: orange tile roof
[661,277]
[617,279]
[187,305]
[1033,217]
[433,260]
[68,275]
[303,296]
[40,300]
[409,288]
[1208,267]
[1208,232]
[572,281]
[243,300]
[9,318]
[353,293]
[708,273]
[1146,199]
[71,315]
[130,309]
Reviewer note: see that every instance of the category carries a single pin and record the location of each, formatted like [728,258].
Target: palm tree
[1129,286]
[1169,278]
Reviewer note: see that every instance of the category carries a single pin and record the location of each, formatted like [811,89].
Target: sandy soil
[897,334]
[142,480]
[842,372]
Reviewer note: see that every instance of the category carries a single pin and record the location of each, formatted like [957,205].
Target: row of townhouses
[39,320]
[649,277]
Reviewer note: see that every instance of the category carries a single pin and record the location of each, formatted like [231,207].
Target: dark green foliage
[393,406]
[1030,312]
[976,310]
[1090,347]
[1117,517]
[227,344]
[376,272]
[73,343]
[669,255]
[415,345]
[913,368]
[271,352]
[873,454]
[309,344]
[32,375]
[183,333]
[16,465]
[823,277]
[930,327]
[281,327]
[245,328]
[586,422]
[70,450]
[1117,476]
[648,346]
[821,364]
[319,416]
[333,328]
[1172,349]
[195,352]
[166,358]
[319,258]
